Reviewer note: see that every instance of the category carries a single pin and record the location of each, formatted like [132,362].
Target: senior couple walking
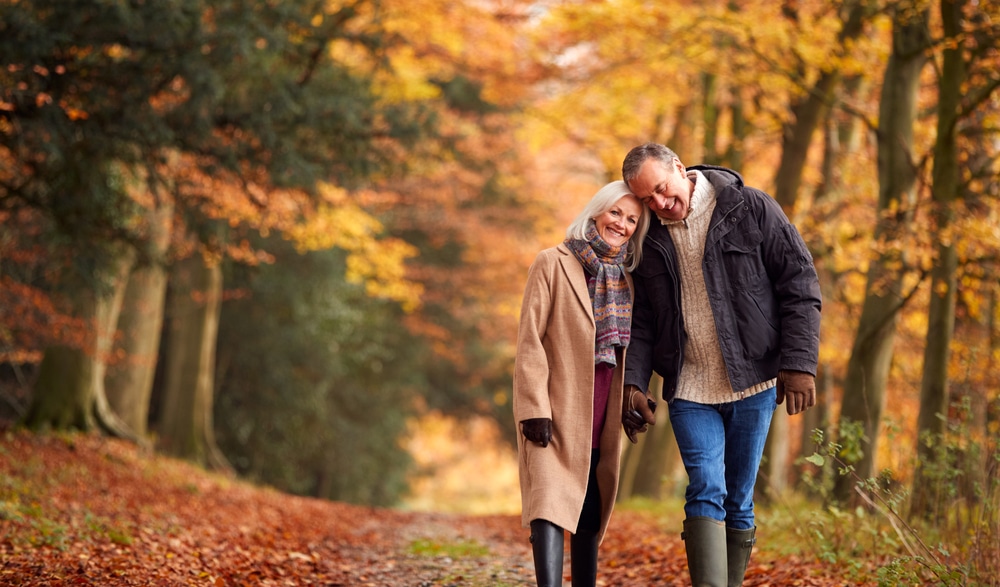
[687,272]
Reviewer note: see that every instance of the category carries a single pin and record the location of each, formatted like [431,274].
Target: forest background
[289,239]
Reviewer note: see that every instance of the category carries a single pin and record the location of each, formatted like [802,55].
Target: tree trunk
[817,418]
[69,392]
[772,478]
[807,113]
[932,419]
[631,457]
[62,396]
[871,354]
[829,187]
[682,140]
[108,309]
[710,118]
[991,416]
[185,425]
[796,139]
[658,457]
[734,152]
[837,142]
[129,382]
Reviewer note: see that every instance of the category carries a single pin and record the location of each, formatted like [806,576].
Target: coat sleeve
[639,359]
[796,287]
[531,365]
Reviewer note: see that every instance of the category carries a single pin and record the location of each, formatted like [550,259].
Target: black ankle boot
[547,549]
[583,558]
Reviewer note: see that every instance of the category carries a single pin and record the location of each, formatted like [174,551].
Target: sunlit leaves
[378,263]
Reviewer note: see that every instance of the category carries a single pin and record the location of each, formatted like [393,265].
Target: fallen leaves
[87,511]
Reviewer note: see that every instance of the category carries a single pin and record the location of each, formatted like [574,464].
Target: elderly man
[727,311]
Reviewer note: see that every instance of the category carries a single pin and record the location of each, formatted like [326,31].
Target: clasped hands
[637,412]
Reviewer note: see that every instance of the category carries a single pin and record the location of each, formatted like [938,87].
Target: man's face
[664,188]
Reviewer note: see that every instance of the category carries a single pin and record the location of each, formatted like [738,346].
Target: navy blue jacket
[761,284]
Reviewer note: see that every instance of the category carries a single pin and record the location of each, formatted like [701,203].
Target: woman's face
[617,224]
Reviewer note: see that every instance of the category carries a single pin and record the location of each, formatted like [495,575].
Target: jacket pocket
[741,258]
[757,320]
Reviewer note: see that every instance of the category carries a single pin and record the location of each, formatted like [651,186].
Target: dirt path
[432,550]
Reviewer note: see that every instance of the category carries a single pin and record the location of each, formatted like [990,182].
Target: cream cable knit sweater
[703,377]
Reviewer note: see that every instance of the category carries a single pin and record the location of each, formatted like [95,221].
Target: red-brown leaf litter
[82,510]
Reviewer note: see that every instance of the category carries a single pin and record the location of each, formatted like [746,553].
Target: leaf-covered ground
[84,510]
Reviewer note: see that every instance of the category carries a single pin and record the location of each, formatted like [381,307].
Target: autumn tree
[95,95]
[964,87]
[809,108]
[885,292]
[467,202]
[813,95]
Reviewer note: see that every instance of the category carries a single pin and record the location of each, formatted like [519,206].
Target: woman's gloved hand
[537,430]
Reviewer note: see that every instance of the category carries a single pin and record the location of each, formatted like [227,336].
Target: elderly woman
[574,329]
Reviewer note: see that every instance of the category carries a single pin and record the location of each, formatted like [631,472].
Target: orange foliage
[334,218]
[38,323]
[480,212]
[30,318]
[444,39]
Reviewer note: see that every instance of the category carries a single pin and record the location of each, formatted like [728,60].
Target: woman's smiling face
[617,224]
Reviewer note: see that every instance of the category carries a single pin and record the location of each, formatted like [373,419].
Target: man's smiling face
[664,188]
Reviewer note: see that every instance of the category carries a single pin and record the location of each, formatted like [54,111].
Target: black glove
[799,388]
[637,413]
[537,430]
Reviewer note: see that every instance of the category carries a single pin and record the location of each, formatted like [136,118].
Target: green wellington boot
[705,543]
[739,544]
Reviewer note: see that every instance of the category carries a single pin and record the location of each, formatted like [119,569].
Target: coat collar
[577,278]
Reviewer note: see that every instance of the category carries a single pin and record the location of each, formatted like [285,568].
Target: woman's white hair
[603,200]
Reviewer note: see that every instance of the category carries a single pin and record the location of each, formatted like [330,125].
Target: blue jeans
[721,446]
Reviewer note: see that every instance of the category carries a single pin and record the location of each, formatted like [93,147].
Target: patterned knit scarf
[609,292]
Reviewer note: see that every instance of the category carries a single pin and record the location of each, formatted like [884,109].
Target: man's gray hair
[638,155]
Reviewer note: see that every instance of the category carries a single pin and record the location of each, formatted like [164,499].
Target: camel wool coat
[554,378]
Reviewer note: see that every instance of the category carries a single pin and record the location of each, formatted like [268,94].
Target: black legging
[590,517]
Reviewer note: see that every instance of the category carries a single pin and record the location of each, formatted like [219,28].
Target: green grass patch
[455,550]
[104,528]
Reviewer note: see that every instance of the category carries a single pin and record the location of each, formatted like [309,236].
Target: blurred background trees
[275,237]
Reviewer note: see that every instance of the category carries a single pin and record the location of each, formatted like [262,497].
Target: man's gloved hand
[537,430]
[637,412]
[799,388]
